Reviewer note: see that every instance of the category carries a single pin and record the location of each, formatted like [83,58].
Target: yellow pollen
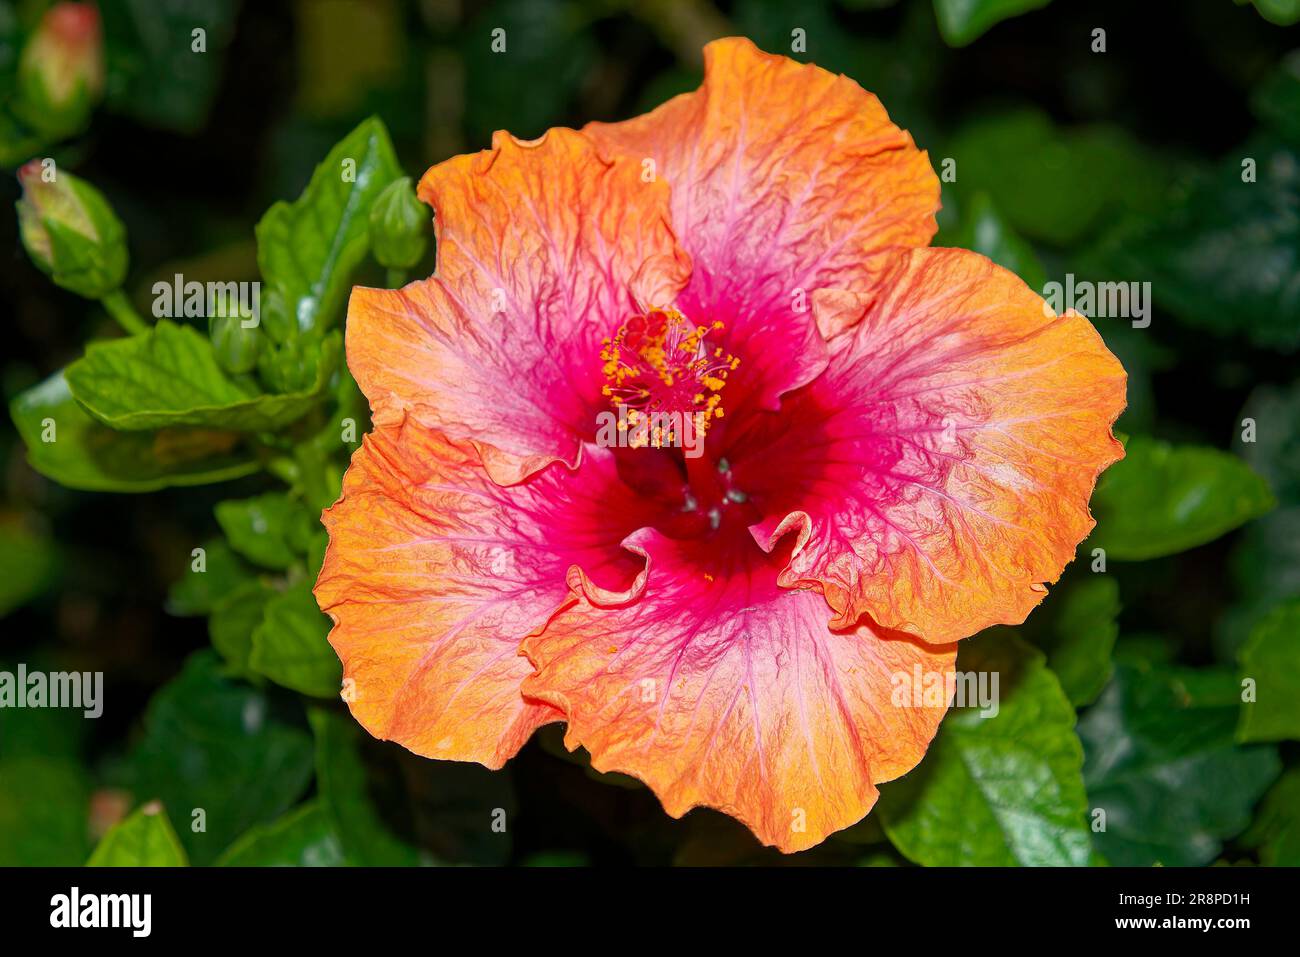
[659,368]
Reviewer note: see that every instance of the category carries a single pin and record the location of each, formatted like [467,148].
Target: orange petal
[433,575]
[733,694]
[940,469]
[785,178]
[544,248]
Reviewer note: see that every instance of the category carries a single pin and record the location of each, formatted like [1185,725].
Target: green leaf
[1161,499]
[302,838]
[998,790]
[1054,185]
[291,646]
[1282,12]
[308,249]
[1272,659]
[29,565]
[155,74]
[983,230]
[1223,257]
[342,780]
[145,839]
[1079,629]
[233,620]
[199,592]
[270,530]
[1163,766]
[170,377]
[1276,829]
[43,812]
[1276,101]
[217,752]
[961,21]
[68,446]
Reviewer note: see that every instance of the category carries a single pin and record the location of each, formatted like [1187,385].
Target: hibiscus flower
[895,449]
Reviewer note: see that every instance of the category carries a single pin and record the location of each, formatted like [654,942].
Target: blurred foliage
[224,742]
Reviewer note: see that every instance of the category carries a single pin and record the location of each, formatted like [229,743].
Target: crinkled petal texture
[720,688]
[434,573]
[785,179]
[941,467]
[908,447]
[543,248]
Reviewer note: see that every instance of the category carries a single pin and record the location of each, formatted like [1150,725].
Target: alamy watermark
[1100,300]
[197,300]
[633,429]
[919,688]
[53,689]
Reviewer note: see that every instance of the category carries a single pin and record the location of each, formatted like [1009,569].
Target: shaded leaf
[198,593]
[983,230]
[342,781]
[29,565]
[1079,636]
[1163,765]
[1224,257]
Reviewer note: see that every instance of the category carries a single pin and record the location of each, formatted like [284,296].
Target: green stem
[396,278]
[120,308]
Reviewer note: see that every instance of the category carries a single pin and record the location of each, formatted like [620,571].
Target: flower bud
[70,231]
[398,226]
[61,70]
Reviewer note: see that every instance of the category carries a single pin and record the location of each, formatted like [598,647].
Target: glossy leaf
[308,249]
[169,377]
[1163,766]
[145,839]
[997,790]
[271,530]
[1161,499]
[84,454]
